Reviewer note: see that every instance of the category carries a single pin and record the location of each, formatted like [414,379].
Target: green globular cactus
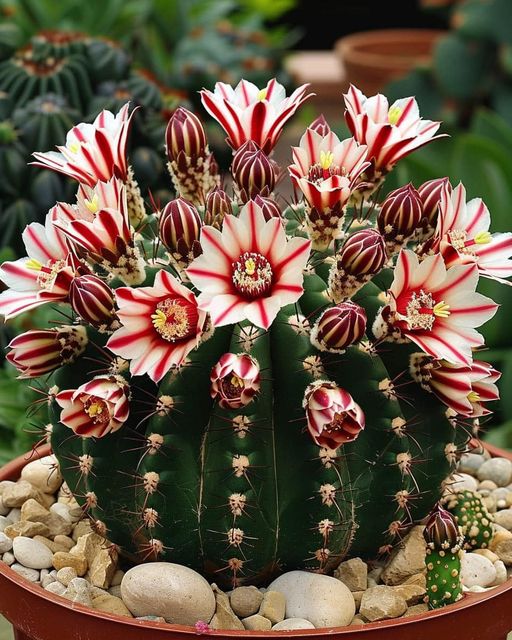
[444,542]
[472,516]
[54,82]
[244,405]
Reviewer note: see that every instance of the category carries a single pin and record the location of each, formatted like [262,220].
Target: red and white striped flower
[249,113]
[40,351]
[97,408]
[94,151]
[235,380]
[326,169]
[43,276]
[390,132]
[249,270]
[160,326]
[333,416]
[462,236]
[99,224]
[436,307]
[465,389]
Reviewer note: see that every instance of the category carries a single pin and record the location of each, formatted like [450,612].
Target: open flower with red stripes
[327,171]
[436,307]
[464,388]
[249,113]
[391,132]
[99,224]
[333,416]
[235,380]
[97,408]
[94,151]
[44,276]
[462,236]
[160,326]
[250,270]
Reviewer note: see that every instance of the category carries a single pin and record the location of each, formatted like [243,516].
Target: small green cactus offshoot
[444,543]
[471,515]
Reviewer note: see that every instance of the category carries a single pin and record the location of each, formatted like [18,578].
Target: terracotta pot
[373,58]
[37,614]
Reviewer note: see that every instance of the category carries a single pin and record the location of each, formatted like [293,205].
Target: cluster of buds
[361,257]
[253,171]
[179,230]
[339,327]
[191,164]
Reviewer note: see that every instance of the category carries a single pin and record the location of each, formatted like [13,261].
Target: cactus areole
[253,392]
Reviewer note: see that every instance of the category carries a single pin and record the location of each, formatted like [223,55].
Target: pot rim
[12,470]
[352,48]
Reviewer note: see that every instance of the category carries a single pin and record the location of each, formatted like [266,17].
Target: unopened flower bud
[179,230]
[430,196]
[253,172]
[93,300]
[40,351]
[441,530]
[269,208]
[235,380]
[218,204]
[339,327]
[320,126]
[185,135]
[360,258]
[400,216]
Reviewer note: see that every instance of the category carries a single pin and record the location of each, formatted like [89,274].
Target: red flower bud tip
[442,531]
[320,126]
[333,417]
[430,196]
[235,380]
[179,230]
[185,135]
[218,204]
[400,216]
[339,327]
[40,351]
[93,300]
[269,208]
[253,172]
[360,258]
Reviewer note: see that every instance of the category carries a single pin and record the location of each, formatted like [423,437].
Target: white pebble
[499,470]
[4,522]
[43,474]
[14,516]
[504,518]
[501,573]
[477,570]
[461,481]
[5,543]
[8,558]
[31,553]
[30,574]
[55,587]
[292,624]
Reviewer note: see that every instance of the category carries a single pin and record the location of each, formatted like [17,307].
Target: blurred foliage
[471,65]
[186,43]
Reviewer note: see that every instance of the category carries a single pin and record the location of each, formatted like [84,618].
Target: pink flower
[462,236]
[435,307]
[250,270]
[43,276]
[96,408]
[334,418]
[248,113]
[390,133]
[94,151]
[40,351]
[235,380]
[463,388]
[327,170]
[161,325]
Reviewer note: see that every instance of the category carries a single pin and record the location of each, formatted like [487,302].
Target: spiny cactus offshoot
[255,390]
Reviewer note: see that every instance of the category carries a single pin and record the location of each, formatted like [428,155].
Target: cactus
[244,405]
[53,83]
[471,515]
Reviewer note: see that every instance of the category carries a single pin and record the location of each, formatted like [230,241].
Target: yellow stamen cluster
[394,114]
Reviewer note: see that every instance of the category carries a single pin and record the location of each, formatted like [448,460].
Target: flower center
[97,410]
[175,319]
[337,422]
[252,275]
[474,396]
[232,387]
[422,311]
[325,169]
[47,273]
[460,243]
